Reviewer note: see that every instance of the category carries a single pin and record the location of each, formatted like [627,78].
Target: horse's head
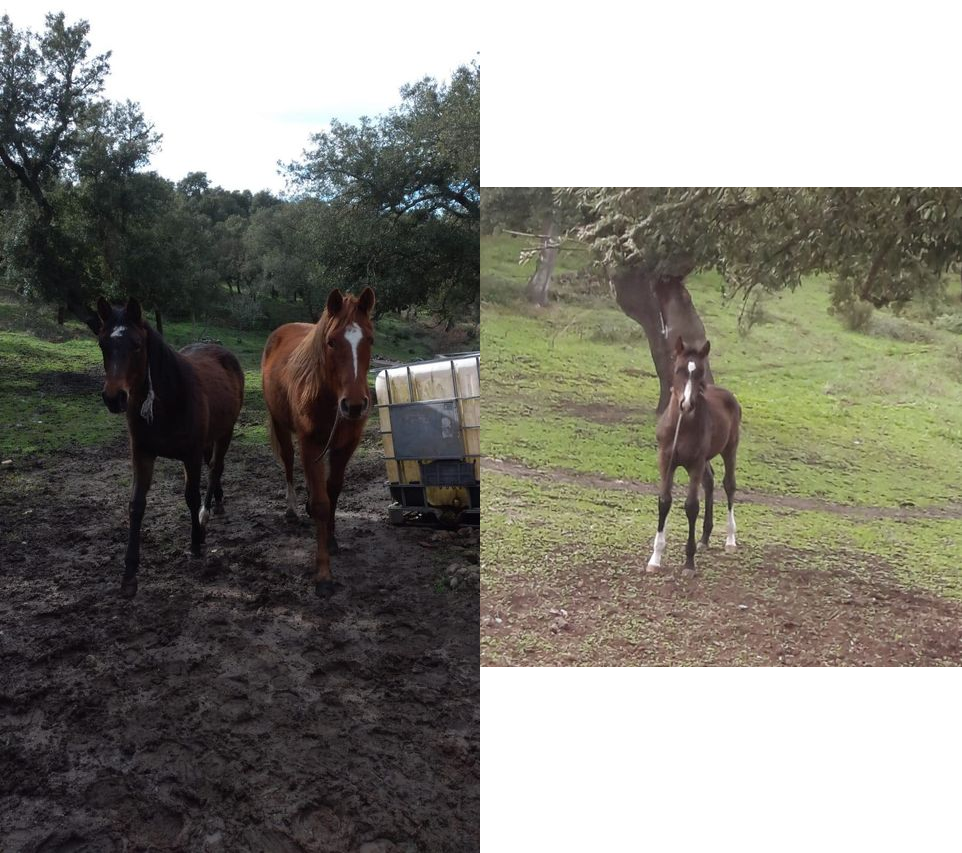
[123,341]
[688,381]
[349,335]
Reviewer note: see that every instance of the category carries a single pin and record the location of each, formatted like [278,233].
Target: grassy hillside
[846,419]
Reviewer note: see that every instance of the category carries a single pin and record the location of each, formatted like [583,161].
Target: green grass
[50,391]
[536,529]
[828,413]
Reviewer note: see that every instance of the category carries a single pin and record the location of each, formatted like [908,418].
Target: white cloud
[234,90]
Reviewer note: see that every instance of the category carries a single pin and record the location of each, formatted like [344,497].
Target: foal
[179,405]
[701,422]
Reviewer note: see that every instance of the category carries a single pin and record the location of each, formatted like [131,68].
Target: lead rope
[675,442]
[337,418]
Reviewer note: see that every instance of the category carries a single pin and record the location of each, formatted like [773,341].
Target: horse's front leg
[695,475]
[664,505]
[143,467]
[315,472]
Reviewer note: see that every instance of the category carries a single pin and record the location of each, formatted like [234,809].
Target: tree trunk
[537,289]
[60,314]
[662,306]
[159,321]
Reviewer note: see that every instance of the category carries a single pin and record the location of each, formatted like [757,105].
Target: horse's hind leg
[284,447]
[729,484]
[215,489]
[709,483]
[192,497]
[664,505]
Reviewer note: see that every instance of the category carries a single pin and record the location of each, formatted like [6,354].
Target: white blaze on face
[118,332]
[686,399]
[353,336]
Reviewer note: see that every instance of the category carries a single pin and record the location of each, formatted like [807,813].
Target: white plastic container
[430,411]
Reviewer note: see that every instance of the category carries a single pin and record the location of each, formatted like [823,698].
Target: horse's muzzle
[116,403]
[354,411]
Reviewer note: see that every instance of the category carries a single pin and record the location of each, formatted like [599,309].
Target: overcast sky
[234,90]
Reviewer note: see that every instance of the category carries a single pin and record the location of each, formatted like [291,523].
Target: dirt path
[228,709]
[776,609]
[598,481]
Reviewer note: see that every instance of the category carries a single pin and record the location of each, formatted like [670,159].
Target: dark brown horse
[315,387]
[179,405]
[702,421]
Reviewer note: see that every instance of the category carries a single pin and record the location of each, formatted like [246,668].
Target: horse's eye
[330,343]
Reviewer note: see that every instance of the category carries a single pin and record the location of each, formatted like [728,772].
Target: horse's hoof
[702,546]
[688,572]
[651,568]
[128,587]
[324,589]
[332,546]
[307,508]
[290,515]
[218,508]
[729,549]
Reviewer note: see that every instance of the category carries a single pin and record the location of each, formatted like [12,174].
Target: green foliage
[855,313]
[392,202]
[889,244]
[402,195]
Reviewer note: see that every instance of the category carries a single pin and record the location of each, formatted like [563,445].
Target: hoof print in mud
[324,589]
[290,516]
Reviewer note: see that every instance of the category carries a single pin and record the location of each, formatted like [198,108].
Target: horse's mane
[167,369]
[307,361]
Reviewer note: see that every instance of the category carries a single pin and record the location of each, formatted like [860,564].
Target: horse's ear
[703,353]
[104,311]
[334,302]
[97,321]
[365,302]
[679,346]
[133,312]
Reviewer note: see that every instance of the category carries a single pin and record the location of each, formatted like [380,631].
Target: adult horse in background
[702,421]
[179,405]
[315,387]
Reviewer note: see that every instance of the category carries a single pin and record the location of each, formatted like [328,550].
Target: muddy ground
[226,708]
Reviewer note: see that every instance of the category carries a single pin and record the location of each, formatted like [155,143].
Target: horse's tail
[275,444]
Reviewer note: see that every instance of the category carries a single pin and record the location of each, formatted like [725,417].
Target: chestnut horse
[315,386]
[702,421]
[179,405]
